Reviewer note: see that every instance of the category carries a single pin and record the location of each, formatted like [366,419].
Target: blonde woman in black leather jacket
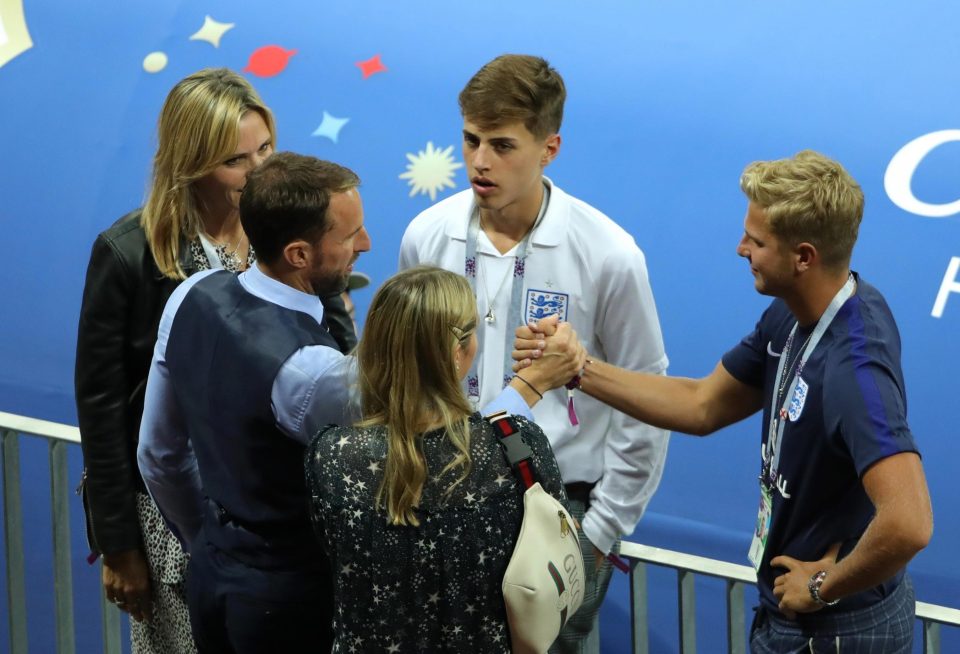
[213,130]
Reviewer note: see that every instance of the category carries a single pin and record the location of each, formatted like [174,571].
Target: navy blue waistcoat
[225,349]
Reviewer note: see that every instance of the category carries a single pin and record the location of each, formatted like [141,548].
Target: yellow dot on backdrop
[155,62]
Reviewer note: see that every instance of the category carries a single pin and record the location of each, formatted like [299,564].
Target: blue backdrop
[667,103]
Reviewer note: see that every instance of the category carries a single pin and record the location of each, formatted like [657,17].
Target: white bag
[543,583]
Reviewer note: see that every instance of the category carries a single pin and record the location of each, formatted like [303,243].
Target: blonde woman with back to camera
[416,505]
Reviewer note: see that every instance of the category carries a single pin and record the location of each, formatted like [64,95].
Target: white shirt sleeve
[634,452]
[315,387]
[510,401]
[165,457]
[409,257]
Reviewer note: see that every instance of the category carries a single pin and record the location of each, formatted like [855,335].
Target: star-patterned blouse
[434,587]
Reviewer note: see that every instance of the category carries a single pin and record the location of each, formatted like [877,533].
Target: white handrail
[745,574]
[937,613]
[37,427]
[929,613]
[698,564]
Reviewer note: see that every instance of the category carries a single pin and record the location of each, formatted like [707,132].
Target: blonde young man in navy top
[844,502]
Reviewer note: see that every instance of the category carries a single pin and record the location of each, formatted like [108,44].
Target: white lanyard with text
[769,480]
[778,417]
[516,295]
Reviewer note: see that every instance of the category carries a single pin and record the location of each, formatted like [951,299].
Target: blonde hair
[197,131]
[808,198]
[408,378]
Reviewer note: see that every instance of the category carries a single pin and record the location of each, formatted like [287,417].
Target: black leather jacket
[123,299]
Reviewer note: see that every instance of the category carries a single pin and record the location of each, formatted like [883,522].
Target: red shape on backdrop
[371,66]
[268,61]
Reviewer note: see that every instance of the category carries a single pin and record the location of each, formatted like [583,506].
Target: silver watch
[814,587]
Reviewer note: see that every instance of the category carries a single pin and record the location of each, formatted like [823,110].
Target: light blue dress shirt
[315,387]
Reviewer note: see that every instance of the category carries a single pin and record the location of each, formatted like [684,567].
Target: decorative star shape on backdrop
[212,31]
[431,170]
[330,127]
[371,66]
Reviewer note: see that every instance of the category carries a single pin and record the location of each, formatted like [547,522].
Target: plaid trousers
[581,634]
[883,628]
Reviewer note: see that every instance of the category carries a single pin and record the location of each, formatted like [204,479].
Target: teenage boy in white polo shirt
[530,250]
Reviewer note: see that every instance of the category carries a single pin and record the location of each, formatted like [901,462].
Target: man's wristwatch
[814,587]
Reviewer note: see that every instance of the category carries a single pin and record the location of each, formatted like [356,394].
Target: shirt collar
[547,233]
[267,288]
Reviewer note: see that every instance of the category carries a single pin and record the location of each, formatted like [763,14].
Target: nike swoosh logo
[771,352]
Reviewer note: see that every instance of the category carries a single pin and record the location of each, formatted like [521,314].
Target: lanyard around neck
[516,293]
[778,416]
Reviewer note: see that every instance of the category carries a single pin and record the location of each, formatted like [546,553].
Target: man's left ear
[551,148]
[297,253]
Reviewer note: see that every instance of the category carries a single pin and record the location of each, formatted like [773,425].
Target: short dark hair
[515,88]
[286,199]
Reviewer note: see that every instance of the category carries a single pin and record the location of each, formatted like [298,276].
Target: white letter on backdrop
[949,285]
[900,171]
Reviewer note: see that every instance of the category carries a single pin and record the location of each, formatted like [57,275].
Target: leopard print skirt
[168,631]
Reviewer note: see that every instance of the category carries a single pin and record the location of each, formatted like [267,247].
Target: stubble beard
[330,284]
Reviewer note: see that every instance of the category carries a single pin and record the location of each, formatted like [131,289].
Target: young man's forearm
[658,400]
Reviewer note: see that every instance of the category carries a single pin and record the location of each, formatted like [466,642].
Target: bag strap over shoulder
[515,449]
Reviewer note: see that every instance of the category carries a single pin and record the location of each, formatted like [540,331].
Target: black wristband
[530,385]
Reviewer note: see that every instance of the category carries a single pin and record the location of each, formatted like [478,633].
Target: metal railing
[60,437]
[737,578]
